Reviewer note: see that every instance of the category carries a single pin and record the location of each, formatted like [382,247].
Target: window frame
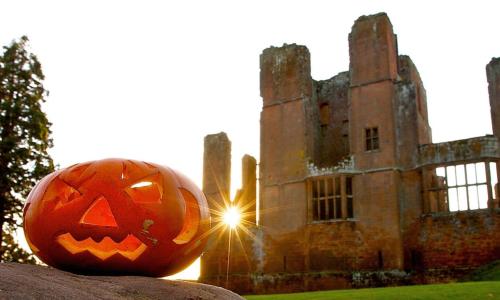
[460,187]
[372,139]
[329,200]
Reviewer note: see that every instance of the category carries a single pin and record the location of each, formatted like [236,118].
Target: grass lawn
[455,291]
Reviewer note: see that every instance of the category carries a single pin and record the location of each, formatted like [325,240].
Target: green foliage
[456,291]
[24,136]
[12,252]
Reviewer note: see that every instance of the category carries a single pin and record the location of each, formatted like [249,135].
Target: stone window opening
[460,187]
[371,139]
[331,198]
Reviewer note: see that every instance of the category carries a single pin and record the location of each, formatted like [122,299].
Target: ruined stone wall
[245,198]
[373,70]
[407,127]
[372,50]
[410,111]
[228,253]
[236,267]
[286,146]
[286,89]
[410,202]
[372,106]
[332,121]
[346,246]
[376,208]
[284,253]
[409,74]
[472,149]
[439,248]
[217,169]
[409,122]
[216,187]
[454,240]
[307,128]
[493,75]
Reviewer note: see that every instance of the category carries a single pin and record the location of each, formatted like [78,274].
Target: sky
[148,80]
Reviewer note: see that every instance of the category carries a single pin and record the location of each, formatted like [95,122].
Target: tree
[24,139]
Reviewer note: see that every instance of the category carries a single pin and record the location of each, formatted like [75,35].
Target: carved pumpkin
[117,216]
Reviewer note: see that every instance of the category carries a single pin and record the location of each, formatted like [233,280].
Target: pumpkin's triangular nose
[99,214]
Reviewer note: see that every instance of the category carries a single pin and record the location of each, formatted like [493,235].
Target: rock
[19,281]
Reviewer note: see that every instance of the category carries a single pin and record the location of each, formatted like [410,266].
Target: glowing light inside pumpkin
[99,214]
[232,217]
[141,184]
[130,247]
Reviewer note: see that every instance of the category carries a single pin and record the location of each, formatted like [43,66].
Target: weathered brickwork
[351,189]
[216,186]
[331,143]
[246,197]
[479,148]
[454,240]
[493,75]
[217,168]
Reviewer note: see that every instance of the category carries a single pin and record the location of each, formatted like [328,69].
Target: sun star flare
[232,217]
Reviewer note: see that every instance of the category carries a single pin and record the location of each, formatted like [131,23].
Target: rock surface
[18,281]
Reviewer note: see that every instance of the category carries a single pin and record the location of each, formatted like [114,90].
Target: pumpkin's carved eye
[65,193]
[99,214]
[145,192]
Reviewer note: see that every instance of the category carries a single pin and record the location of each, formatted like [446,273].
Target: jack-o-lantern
[117,216]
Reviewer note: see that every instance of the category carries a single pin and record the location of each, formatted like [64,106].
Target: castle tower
[216,186]
[373,72]
[287,91]
[286,88]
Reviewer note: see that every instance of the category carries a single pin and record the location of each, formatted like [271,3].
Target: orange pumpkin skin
[117,216]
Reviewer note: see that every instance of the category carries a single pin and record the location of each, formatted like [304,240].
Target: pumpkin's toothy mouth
[130,247]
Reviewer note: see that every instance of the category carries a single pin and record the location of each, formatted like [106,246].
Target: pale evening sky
[148,80]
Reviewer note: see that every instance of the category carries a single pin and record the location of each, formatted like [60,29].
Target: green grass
[485,284]
[455,291]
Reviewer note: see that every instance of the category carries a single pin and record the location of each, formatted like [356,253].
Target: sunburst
[232,217]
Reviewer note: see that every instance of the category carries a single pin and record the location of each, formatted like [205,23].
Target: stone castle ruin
[352,191]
